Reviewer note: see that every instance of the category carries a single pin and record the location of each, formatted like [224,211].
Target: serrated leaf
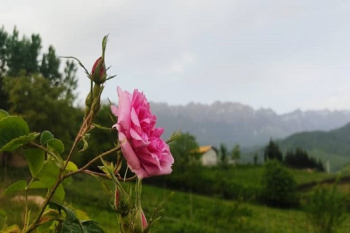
[71,223]
[35,158]
[56,145]
[12,127]
[91,226]
[3,114]
[45,137]
[17,186]
[18,142]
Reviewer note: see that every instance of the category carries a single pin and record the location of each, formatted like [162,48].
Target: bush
[326,209]
[278,186]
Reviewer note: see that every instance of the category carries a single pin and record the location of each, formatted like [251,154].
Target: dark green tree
[223,155]
[49,68]
[236,153]
[185,151]
[278,186]
[22,54]
[70,81]
[300,159]
[38,102]
[272,151]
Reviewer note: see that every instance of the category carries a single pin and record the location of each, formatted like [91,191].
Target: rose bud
[98,72]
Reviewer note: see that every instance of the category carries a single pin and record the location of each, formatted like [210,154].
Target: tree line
[297,158]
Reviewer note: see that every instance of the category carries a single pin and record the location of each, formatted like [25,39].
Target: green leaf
[56,145]
[86,144]
[12,127]
[59,193]
[18,142]
[17,186]
[37,185]
[49,173]
[35,158]
[71,167]
[3,114]
[91,226]
[71,223]
[45,137]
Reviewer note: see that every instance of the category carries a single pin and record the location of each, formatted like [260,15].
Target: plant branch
[83,168]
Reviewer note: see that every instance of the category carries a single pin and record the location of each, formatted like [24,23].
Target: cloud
[278,54]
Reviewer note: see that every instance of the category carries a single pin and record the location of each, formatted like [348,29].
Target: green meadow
[180,211]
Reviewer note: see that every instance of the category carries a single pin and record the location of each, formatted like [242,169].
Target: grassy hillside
[329,146]
[186,212]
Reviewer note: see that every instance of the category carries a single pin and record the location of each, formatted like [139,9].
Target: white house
[208,155]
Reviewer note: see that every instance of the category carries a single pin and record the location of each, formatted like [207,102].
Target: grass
[184,212]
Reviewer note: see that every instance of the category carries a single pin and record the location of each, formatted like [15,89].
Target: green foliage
[14,132]
[17,186]
[301,160]
[35,158]
[98,139]
[326,208]
[40,105]
[185,151]
[236,152]
[278,186]
[71,223]
[223,156]
[332,146]
[272,151]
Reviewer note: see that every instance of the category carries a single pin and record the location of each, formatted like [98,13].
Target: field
[186,211]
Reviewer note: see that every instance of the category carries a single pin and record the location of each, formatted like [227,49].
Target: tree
[39,104]
[49,68]
[37,91]
[272,151]
[278,185]
[255,159]
[300,159]
[22,55]
[185,151]
[236,153]
[223,155]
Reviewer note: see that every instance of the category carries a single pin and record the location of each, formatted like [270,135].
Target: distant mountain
[235,123]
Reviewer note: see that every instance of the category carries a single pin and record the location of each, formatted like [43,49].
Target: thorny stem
[59,181]
[83,129]
[26,217]
[83,168]
[86,125]
[107,177]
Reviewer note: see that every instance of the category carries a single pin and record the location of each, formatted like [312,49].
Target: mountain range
[235,123]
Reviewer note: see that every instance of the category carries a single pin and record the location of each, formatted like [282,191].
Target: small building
[208,155]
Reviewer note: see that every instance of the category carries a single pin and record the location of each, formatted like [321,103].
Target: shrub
[326,209]
[278,186]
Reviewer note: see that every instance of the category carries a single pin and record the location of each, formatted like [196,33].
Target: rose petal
[128,152]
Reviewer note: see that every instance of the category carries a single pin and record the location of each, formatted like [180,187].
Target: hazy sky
[275,54]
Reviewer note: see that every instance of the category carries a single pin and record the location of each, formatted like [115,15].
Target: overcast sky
[277,54]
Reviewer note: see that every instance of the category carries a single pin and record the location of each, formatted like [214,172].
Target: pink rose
[146,153]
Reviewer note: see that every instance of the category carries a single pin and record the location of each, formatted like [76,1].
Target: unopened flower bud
[116,199]
[140,221]
[98,72]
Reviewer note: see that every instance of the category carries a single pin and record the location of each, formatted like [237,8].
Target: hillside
[235,123]
[332,146]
